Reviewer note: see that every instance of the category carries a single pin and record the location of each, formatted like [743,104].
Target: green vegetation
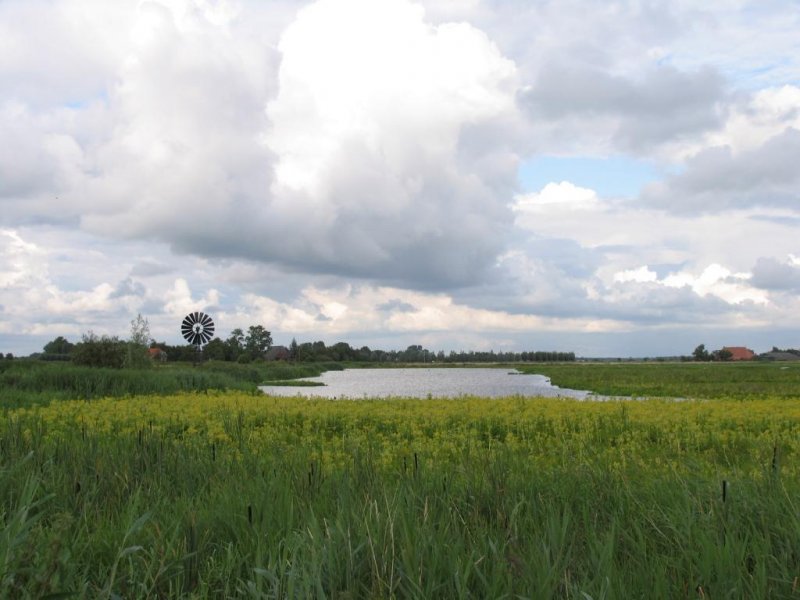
[25,382]
[234,495]
[162,485]
[254,345]
[343,352]
[676,380]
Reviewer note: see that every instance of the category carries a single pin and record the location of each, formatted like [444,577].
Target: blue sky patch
[614,177]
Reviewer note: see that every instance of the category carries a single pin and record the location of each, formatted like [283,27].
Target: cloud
[757,118]
[367,131]
[353,312]
[641,275]
[179,300]
[771,274]
[128,287]
[22,263]
[57,53]
[660,107]
[150,268]
[718,179]
[349,168]
[554,198]
[367,144]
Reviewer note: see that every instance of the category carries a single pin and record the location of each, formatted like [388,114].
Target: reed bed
[28,382]
[217,495]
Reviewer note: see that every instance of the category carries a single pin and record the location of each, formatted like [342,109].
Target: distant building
[277,353]
[740,353]
[778,355]
[157,354]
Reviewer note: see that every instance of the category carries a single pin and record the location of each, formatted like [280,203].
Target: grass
[28,382]
[234,495]
[138,488]
[676,380]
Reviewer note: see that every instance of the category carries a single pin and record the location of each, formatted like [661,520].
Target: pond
[426,383]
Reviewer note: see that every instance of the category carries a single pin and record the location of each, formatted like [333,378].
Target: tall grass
[231,495]
[25,382]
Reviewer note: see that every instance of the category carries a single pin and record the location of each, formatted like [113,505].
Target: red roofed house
[157,354]
[740,353]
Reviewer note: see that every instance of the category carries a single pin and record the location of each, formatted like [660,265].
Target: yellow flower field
[720,434]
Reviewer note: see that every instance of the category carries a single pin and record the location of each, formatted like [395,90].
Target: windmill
[197,329]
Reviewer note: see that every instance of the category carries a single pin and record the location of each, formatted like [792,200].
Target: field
[677,380]
[231,494]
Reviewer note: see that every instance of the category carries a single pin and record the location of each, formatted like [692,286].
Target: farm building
[740,353]
[277,353]
[778,355]
[157,354]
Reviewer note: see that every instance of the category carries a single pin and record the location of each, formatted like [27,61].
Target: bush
[103,351]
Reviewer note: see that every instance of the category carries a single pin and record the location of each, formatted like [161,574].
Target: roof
[277,353]
[740,352]
[779,356]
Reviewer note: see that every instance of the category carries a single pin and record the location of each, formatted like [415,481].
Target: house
[277,353]
[740,353]
[157,354]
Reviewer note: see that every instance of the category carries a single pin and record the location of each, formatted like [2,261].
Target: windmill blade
[197,328]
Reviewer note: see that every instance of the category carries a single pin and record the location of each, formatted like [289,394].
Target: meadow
[676,380]
[217,494]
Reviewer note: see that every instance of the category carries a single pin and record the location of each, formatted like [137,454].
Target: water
[426,383]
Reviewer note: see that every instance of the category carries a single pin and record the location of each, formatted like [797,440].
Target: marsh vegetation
[207,494]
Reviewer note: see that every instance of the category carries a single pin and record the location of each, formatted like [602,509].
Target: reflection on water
[424,383]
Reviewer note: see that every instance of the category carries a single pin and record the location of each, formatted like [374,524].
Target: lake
[424,383]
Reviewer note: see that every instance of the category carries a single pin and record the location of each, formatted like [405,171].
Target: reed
[31,382]
[235,495]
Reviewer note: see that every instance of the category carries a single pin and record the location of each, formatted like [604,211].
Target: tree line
[253,344]
[700,354]
[342,351]
[111,351]
[239,346]
[103,350]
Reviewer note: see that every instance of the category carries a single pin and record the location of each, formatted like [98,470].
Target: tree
[140,331]
[140,339]
[234,344]
[723,355]
[294,350]
[701,354]
[60,345]
[216,349]
[257,341]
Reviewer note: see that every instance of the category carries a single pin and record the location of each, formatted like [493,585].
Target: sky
[614,178]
